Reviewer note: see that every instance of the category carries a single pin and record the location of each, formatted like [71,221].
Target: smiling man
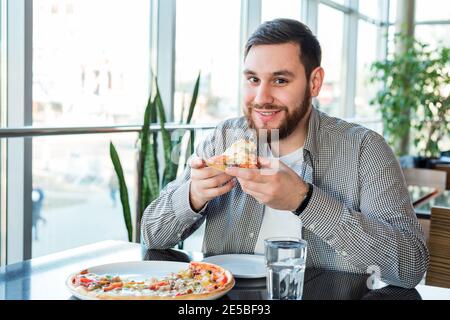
[336,184]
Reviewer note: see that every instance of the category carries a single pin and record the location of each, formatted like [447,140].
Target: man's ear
[316,80]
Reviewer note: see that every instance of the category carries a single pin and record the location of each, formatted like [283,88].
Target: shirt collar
[311,143]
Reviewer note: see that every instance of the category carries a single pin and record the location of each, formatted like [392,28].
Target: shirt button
[251,235]
[194,218]
[179,235]
[343,253]
[312,226]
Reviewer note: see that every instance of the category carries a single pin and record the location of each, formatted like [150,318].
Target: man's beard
[290,122]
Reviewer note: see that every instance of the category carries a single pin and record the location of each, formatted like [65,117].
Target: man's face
[276,92]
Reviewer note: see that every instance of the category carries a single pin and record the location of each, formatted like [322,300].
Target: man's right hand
[207,183]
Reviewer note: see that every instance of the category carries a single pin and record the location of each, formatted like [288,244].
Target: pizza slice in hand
[242,154]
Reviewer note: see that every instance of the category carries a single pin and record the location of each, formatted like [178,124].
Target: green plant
[149,181]
[414,96]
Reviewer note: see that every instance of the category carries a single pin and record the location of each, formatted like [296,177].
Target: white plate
[135,270]
[241,265]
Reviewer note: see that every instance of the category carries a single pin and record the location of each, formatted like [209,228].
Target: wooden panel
[425,177]
[438,273]
[446,168]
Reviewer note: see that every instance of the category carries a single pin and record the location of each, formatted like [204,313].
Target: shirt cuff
[322,215]
[182,206]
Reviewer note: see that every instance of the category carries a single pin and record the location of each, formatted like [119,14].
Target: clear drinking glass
[285,262]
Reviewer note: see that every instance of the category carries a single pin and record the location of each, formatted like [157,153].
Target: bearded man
[337,185]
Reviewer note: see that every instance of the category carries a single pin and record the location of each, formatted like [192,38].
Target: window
[330,36]
[75,192]
[3,78]
[272,9]
[91,62]
[429,10]
[91,66]
[370,8]
[433,34]
[207,40]
[392,11]
[366,54]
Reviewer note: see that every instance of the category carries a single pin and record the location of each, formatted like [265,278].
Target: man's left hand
[275,184]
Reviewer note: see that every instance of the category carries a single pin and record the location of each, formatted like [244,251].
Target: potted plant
[414,97]
[150,183]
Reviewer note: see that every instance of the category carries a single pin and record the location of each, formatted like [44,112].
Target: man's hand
[207,183]
[275,184]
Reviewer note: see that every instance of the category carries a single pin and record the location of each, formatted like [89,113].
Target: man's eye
[253,80]
[281,81]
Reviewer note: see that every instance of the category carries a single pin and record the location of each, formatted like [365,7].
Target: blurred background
[89,64]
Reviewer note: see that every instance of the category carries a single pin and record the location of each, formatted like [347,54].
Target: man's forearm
[170,219]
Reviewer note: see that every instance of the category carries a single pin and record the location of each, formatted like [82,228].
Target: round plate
[246,266]
[137,271]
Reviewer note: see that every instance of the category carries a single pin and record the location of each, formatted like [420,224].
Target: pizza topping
[242,154]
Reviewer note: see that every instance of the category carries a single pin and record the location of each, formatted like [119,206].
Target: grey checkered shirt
[359,216]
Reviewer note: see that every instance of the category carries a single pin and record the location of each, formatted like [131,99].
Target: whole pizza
[199,281]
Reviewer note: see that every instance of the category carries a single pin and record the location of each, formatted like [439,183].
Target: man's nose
[263,95]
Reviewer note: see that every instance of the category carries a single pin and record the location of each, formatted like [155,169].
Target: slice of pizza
[242,154]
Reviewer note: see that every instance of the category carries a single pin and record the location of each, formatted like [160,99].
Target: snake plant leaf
[144,183]
[194,99]
[124,199]
[169,170]
[151,175]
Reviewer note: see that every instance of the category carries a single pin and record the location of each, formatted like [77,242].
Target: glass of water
[285,262]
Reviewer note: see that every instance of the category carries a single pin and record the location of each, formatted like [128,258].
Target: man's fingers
[197,163]
[215,192]
[215,181]
[205,173]
[258,196]
[253,186]
[246,174]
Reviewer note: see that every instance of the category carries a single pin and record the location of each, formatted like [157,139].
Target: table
[419,194]
[423,210]
[44,278]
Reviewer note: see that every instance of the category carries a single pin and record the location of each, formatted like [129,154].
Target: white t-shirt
[281,223]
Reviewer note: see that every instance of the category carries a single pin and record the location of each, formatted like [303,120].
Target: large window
[330,35]
[91,67]
[434,34]
[207,41]
[366,54]
[432,10]
[91,62]
[75,191]
[272,9]
[370,8]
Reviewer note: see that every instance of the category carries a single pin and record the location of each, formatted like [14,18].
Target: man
[338,182]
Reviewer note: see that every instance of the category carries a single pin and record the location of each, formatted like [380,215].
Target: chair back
[426,177]
[438,273]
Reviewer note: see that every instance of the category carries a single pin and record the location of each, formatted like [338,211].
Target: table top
[44,278]
[419,194]
[423,210]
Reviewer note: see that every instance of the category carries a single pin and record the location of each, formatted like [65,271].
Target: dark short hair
[281,31]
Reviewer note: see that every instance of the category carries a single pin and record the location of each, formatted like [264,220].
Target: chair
[425,177]
[438,273]
[445,168]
